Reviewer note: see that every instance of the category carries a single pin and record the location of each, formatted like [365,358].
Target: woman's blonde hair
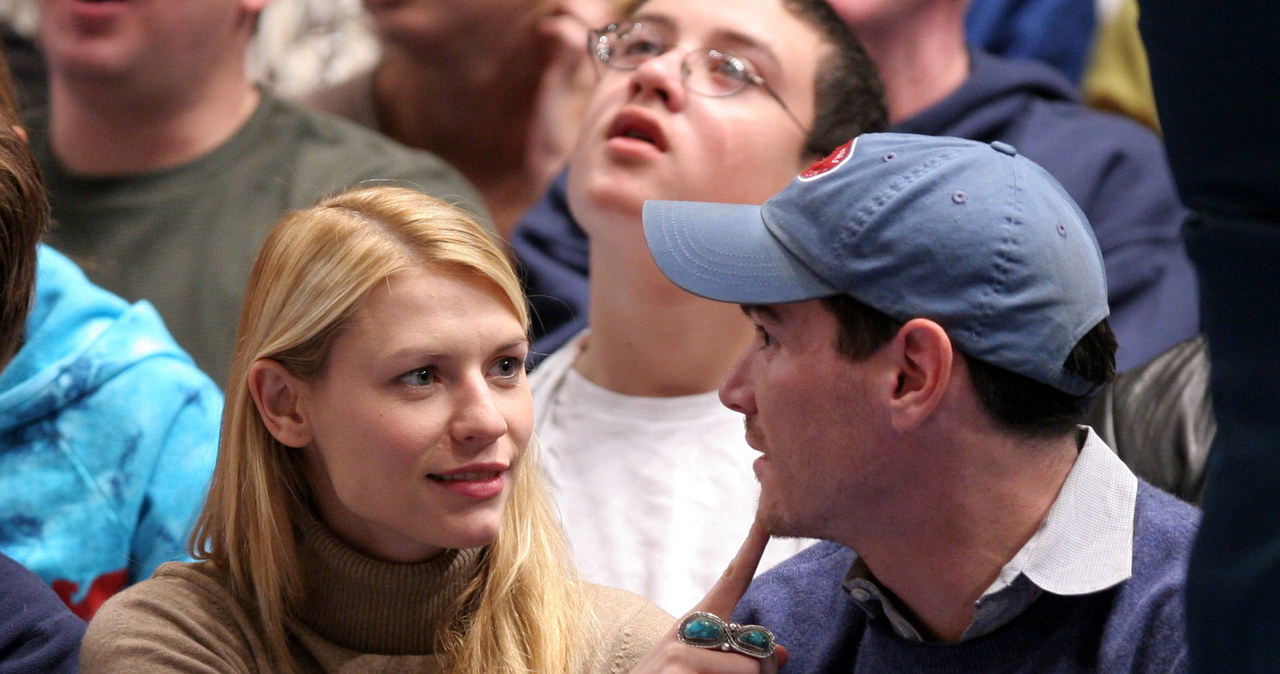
[525,609]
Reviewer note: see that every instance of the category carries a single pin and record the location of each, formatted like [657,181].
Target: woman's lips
[472,483]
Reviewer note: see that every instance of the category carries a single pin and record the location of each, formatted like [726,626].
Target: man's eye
[632,47]
[766,339]
[423,376]
[730,67]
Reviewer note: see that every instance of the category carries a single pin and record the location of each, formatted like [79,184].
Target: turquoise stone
[756,639]
[701,629]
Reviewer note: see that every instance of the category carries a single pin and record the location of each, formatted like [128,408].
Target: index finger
[724,595]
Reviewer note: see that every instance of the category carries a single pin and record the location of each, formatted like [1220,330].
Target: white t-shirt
[656,494]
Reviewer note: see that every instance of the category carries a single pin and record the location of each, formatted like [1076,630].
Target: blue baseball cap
[971,235]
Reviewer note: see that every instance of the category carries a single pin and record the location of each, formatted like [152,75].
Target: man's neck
[921,61]
[974,522]
[650,338]
[112,128]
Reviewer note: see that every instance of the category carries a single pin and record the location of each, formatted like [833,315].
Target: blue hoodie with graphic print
[108,435]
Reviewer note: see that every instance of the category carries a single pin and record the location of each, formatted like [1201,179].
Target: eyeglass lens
[710,72]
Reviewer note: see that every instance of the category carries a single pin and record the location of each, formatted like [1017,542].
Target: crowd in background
[168,169]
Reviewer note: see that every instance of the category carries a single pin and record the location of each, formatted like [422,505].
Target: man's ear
[276,393]
[923,356]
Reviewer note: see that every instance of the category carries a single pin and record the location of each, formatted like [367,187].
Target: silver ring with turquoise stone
[706,630]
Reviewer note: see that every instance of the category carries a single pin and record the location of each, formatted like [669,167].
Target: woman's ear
[276,394]
[923,355]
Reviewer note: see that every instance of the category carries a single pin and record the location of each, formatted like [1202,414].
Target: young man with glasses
[697,99]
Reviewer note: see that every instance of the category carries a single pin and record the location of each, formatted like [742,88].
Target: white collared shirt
[1083,545]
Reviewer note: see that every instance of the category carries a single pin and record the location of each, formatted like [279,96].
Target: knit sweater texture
[359,615]
[1136,626]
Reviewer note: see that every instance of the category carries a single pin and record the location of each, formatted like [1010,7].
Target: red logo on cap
[830,162]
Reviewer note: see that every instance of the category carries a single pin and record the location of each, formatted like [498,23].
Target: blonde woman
[376,504]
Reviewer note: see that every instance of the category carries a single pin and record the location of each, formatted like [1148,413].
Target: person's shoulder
[808,580]
[351,98]
[183,618]
[327,143]
[1163,519]
[37,631]
[175,588]
[1027,73]
[823,559]
[136,353]
[1111,133]
[1164,531]
[616,607]
[1053,103]
[99,340]
[627,625]
[1148,618]
[805,604]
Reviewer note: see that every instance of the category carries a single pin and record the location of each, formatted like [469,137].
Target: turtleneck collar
[372,606]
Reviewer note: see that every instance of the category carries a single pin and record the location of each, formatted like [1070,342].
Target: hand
[670,656]
[566,84]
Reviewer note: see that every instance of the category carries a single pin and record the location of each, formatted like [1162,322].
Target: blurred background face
[404,22]
[130,39]
[420,418]
[877,14]
[646,136]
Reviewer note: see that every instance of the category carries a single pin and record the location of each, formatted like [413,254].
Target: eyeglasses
[711,72]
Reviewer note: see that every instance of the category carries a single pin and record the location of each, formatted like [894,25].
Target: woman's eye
[508,367]
[423,376]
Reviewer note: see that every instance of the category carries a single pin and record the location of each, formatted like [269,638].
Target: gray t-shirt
[185,237]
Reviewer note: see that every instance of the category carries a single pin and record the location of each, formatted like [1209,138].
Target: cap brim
[726,252]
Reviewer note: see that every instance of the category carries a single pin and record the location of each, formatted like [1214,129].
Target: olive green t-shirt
[185,237]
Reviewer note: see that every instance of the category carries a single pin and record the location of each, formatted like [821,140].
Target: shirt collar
[1083,545]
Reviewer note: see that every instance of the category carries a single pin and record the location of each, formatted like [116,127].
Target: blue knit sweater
[1136,626]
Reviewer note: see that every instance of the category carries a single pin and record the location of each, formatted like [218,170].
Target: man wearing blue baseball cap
[931,324]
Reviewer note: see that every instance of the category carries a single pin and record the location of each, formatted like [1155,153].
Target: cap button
[1005,148]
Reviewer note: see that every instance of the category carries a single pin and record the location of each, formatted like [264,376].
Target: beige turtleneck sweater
[359,615]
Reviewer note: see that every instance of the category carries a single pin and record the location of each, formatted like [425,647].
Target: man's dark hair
[848,95]
[1016,402]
